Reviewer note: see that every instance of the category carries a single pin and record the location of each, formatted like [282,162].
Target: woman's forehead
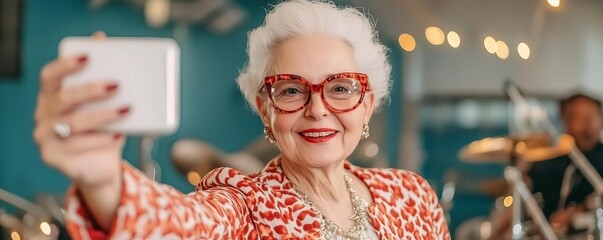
[313,57]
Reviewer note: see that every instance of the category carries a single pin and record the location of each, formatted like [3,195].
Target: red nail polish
[123,111]
[82,59]
[116,136]
[111,87]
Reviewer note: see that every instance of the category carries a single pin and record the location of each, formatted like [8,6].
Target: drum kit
[518,150]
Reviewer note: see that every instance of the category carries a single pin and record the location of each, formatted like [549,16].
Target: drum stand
[521,193]
[578,159]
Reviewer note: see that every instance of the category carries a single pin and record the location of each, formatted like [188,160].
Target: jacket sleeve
[149,210]
[438,220]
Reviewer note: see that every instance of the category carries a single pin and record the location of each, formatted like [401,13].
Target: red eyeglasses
[340,92]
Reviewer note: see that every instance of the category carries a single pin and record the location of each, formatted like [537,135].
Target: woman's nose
[316,107]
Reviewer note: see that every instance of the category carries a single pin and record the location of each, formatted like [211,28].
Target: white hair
[304,17]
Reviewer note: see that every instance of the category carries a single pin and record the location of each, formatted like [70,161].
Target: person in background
[315,75]
[563,187]
[559,187]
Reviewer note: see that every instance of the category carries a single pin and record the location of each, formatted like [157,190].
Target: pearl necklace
[330,230]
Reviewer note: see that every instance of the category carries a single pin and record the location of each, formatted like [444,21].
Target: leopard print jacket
[230,205]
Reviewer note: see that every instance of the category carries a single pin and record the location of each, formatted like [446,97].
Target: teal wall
[213,110]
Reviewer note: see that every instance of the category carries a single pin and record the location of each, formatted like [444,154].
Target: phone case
[148,73]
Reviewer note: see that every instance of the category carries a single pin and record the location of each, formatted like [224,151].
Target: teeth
[318,134]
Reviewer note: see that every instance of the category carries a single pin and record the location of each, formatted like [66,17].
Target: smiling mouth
[317,134]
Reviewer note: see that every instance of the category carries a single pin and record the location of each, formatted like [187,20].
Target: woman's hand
[86,156]
[90,158]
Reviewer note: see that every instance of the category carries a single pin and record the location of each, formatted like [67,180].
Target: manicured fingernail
[112,87]
[82,59]
[123,111]
[116,136]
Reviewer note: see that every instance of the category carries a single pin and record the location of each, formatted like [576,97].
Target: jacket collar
[376,211]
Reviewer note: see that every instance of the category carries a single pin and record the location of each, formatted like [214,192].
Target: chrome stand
[521,193]
[147,164]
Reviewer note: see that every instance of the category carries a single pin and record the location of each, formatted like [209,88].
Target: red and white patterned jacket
[230,205]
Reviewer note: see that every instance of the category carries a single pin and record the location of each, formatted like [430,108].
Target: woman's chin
[316,160]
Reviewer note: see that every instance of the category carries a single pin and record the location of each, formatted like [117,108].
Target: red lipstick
[318,135]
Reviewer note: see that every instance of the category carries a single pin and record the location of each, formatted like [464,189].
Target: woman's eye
[341,89]
[291,91]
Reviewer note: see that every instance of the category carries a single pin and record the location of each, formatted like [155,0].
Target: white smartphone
[148,73]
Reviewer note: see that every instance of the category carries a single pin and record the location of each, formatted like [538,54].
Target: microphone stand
[521,193]
[577,157]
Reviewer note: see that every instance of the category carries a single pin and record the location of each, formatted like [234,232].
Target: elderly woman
[315,75]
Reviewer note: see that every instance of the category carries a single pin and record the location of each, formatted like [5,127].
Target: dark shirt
[547,177]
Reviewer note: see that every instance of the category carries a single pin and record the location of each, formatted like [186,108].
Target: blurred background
[450,59]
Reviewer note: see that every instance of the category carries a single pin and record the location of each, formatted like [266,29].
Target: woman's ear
[369,105]
[262,107]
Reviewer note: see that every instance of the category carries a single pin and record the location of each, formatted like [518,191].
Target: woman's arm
[149,210]
[437,215]
[438,221]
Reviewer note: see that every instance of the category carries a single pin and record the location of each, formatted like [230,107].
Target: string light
[502,50]
[524,50]
[454,39]
[554,3]
[490,44]
[435,35]
[407,42]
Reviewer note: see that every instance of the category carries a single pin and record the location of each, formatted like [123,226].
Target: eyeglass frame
[315,88]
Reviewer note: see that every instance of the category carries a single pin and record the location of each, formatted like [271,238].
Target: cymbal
[532,148]
[476,184]
[195,158]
